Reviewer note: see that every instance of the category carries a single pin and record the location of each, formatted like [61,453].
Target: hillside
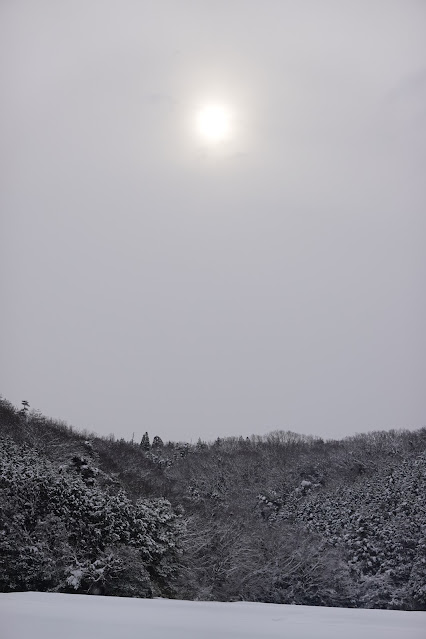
[282,518]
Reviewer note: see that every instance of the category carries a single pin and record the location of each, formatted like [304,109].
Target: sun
[214,123]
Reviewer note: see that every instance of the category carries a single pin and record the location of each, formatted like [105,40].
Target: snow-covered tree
[157,442]
[145,444]
[57,532]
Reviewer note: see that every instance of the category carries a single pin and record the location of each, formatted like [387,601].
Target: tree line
[281,518]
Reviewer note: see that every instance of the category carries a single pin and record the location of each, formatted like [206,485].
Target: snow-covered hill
[58,616]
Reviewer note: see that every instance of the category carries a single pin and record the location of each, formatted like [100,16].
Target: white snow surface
[36,615]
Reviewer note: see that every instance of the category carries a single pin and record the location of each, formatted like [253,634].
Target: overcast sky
[152,280]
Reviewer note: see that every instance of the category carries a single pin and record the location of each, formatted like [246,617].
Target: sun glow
[214,123]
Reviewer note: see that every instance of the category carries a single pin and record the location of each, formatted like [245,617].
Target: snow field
[36,615]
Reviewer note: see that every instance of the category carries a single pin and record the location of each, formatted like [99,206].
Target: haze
[151,282]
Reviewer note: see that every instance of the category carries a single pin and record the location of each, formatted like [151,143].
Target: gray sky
[275,279]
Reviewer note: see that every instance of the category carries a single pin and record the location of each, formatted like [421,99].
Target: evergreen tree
[157,442]
[58,533]
[145,444]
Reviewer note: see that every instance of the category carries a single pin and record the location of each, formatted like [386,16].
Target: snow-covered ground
[35,615]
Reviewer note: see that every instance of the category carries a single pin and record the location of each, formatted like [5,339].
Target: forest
[279,518]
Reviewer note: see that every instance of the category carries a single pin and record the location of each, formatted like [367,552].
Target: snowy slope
[59,616]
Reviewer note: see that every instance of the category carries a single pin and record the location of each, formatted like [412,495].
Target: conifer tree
[157,442]
[145,444]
